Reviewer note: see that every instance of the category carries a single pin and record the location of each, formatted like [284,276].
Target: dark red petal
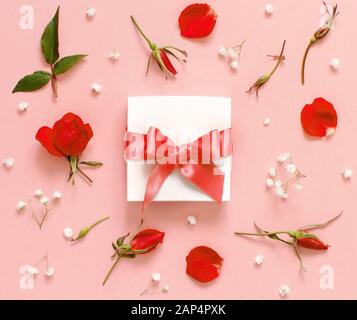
[203,264]
[319,119]
[312,243]
[148,238]
[197,20]
[70,135]
[44,135]
[165,59]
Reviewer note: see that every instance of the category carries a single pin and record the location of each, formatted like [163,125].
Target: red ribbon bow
[194,160]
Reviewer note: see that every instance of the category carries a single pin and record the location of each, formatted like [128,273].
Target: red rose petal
[203,264]
[165,59]
[197,20]
[319,119]
[44,135]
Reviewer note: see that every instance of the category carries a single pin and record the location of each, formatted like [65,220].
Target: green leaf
[32,82]
[49,40]
[91,163]
[66,63]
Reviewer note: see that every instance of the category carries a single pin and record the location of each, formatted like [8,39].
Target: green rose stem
[86,230]
[54,83]
[151,44]
[112,268]
[319,35]
[74,167]
[264,78]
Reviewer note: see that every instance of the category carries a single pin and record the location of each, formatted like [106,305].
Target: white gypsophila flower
[97,88]
[269,182]
[232,53]
[278,183]
[156,277]
[44,201]
[283,157]
[269,9]
[280,191]
[23,106]
[266,122]
[259,259]
[234,64]
[68,233]
[272,172]
[57,195]
[8,162]
[38,193]
[91,12]
[114,55]
[284,290]
[21,205]
[335,63]
[222,51]
[50,272]
[347,174]
[191,220]
[165,289]
[291,168]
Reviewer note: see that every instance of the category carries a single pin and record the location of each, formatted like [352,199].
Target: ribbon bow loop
[194,160]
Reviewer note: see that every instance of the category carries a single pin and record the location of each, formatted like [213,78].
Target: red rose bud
[161,55]
[311,243]
[147,240]
[68,138]
[319,119]
[143,242]
[197,20]
[203,264]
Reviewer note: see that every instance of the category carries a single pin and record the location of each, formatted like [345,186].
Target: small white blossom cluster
[33,270]
[233,53]
[347,174]
[259,259]
[44,201]
[284,291]
[8,162]
[114,55]
[269,9]
[191,220]
[97,88]
[91,12]
[281,187]
[22,107]
[155,280]
[68,233]
[335,64]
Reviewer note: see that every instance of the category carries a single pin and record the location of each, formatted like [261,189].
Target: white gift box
[183,119]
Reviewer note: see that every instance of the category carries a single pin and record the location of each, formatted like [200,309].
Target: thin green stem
[111,269]
[261,234]
[150,43]
[279,61]
[304,61]
[84,175]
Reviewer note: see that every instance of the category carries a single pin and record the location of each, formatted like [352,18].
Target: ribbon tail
[155,181]
[206,177]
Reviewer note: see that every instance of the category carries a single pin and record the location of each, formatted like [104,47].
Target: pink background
[81,267]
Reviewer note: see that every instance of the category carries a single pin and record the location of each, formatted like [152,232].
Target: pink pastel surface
[80,267]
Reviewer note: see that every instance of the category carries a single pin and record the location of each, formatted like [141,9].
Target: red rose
[319,119]
[68,138]
[147,239]
[203,264]
[197,20]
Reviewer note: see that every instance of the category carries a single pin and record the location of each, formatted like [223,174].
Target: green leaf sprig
[49,46]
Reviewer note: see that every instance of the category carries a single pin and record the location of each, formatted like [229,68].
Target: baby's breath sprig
[265,78]
[44,201]
[319,35]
